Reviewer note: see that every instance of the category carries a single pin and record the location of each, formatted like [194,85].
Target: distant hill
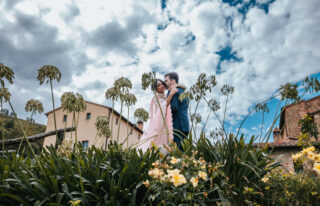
[12,130]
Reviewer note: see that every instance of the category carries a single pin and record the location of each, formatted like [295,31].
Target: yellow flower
[316,158]
[195,162]
[316,167]
[156,164]
[267,188]
[311,155]
[75,202]
[146,183]
[203,166]
[203,175]
[314,193]
[265,179]
[173,172]
[156,173]
[202,161]
[174,160]
[177,179]
[194,181]
[297,156]
[310,149]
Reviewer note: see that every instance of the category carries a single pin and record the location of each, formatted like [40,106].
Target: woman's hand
[173,91]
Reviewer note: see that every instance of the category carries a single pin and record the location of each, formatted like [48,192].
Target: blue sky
[255,46]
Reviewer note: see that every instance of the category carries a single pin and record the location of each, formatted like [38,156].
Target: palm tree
[113,95]
[32,106]
[130,100]
[50,73]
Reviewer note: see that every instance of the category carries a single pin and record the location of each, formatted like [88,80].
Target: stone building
[86,127]
[286,135]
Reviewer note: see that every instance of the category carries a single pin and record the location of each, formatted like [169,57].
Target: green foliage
[288,189]
[112,177]
[243,163]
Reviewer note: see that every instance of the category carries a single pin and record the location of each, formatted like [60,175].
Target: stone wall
[284,155]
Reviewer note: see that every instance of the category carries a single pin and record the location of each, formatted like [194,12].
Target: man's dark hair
[173,75]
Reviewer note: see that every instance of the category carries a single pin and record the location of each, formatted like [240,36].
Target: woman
[160,130]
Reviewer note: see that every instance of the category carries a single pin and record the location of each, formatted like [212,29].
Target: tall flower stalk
[103,129]
[113,95]
[32,106]
[6,73]
[130,100]
[123,85]
[50,73]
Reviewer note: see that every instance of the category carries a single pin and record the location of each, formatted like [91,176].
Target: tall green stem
[25,136]
[112,113]
[26,133]
[54,116]
[128,127]
[120,121]
[2,132]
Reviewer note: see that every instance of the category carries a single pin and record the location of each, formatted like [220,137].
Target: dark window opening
[85,145]
[117,120]
[131,131]
[64,118]
[88,116]
[139,136]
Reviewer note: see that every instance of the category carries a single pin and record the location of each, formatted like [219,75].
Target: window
[64,118]
[117,121]
[85,145]
[88,116]
[131,131]
[139,136]
[109,116]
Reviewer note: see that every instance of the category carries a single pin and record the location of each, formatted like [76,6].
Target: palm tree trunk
[54,116]
[119,122]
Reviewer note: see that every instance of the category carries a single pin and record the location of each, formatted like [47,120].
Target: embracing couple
[168,119]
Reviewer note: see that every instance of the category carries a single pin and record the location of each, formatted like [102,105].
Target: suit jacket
[179,111]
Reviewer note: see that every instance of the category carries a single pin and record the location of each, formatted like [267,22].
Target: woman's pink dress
[157,133]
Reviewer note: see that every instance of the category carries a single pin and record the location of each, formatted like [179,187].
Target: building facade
[87,131]
[286,135]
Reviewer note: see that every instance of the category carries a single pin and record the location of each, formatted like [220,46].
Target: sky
[253,45]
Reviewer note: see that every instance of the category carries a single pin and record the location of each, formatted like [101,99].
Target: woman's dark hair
[154,86]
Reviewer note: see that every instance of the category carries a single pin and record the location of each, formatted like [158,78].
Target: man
[179,110]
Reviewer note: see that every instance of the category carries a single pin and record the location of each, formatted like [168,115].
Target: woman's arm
[173,91]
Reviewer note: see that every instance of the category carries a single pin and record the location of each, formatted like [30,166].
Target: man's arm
[175,102]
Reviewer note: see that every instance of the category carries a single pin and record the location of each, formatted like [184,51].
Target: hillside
[12,130]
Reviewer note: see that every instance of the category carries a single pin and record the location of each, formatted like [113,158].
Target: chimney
[140,125]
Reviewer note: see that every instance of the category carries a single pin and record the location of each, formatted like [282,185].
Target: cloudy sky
[253,45]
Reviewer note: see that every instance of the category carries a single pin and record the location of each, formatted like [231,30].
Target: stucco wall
[86,128]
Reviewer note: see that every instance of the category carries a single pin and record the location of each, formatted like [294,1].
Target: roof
[109,108]
[291,144]
[302,101]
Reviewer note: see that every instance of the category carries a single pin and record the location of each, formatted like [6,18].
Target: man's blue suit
[180,117]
